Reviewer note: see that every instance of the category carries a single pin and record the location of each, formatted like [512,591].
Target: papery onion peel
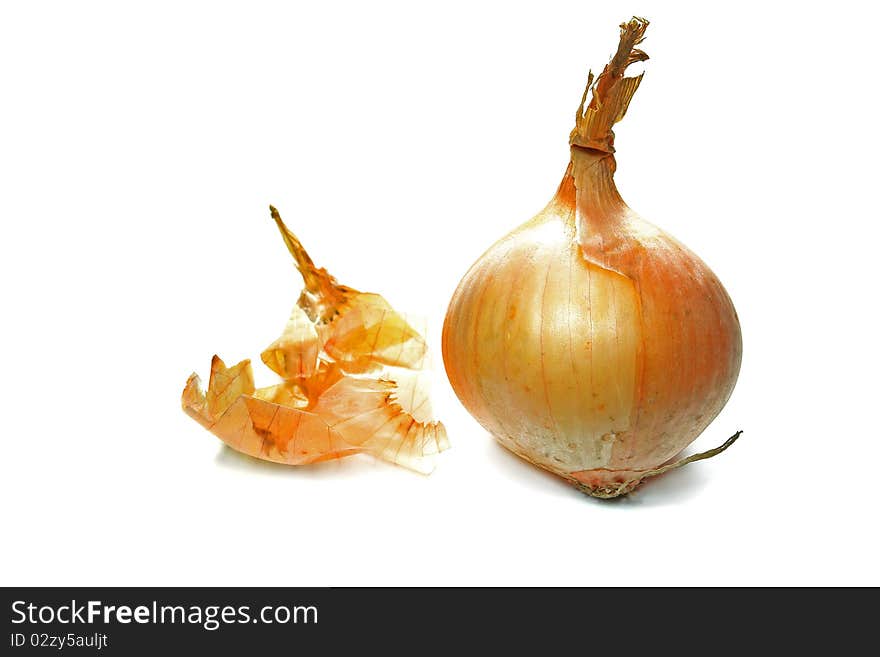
[349,365]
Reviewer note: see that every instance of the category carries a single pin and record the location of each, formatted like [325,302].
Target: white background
[140,146]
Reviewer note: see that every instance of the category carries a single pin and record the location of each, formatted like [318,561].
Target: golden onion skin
[588,341]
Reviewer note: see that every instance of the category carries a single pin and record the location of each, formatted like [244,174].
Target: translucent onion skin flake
[350,383]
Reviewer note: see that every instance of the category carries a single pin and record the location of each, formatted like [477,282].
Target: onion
[588,341]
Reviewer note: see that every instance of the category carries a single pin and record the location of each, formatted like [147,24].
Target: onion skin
[588,341]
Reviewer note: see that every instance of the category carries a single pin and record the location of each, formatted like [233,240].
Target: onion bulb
[588,341]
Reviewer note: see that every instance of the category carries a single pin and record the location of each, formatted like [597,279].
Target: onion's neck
[588,186]
[593,173]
